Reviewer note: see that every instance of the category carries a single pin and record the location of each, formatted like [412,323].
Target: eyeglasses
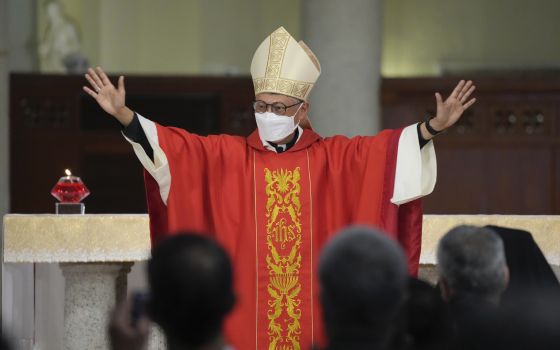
[277,107]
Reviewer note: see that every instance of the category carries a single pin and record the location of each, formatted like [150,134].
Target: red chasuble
[274,212]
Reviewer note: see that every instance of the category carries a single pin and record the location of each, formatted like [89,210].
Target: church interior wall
[183,37]
[195,37]
[218,37]
[4,186]
[432,37]
[17,53]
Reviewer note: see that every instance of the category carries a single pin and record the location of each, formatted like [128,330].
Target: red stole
[273,213]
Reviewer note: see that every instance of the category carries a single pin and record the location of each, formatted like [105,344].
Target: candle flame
[68,172]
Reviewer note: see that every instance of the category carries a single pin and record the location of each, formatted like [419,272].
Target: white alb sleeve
[416,170]
[159,167]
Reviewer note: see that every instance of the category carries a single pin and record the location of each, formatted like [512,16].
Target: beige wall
[232,30]
[151,37]
[176,36]
[421,37]
[4,120]
[219,36]
[17,28]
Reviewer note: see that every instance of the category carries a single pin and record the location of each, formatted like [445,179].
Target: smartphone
[139,301]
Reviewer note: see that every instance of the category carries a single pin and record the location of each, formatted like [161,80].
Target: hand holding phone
[128,327]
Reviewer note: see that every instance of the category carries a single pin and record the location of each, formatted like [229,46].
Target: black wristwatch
[431,130]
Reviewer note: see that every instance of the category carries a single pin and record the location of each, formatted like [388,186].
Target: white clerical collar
[283,146]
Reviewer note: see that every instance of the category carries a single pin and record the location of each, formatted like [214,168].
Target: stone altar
[96,251]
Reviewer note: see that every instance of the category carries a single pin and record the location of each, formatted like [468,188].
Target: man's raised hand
[450,110]
[111,99]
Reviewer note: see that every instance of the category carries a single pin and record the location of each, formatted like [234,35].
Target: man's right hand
[111,99]
[123,334]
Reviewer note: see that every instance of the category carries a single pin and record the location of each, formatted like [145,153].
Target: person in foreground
[363,281]
[424,320]
[529,271]
[473,274]
[274,198]
[190,293]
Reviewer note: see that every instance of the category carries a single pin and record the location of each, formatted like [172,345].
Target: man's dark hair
[190,278]
[363,279]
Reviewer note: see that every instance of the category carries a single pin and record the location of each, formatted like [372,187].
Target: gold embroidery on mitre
[283,259]
[294,88]
[269,70]
[278,43]
[270,84]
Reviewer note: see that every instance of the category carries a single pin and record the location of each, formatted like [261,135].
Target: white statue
[60,48]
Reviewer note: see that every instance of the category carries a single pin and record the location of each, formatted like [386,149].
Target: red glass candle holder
[70,189]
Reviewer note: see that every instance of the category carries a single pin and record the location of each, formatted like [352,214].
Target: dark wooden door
[502,156]
[54,126]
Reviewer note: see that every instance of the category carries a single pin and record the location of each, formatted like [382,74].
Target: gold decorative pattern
[311,239]
[272,81]
[256,253]
[281,65]
[283,259]
[289,87]
[278,43]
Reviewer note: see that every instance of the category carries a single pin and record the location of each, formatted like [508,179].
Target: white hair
[472,261]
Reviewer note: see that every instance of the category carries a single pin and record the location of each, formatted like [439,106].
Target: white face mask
[274,127]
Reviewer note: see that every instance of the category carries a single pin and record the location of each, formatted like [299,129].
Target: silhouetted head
[471,262]
[363,278]
[190,279]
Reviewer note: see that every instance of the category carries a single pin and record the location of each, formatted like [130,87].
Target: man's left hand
[450,110]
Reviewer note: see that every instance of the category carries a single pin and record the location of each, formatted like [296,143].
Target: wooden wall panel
[463,173]
[54,126]
[501,157]
[555,193]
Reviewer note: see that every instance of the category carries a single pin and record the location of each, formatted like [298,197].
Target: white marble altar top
[76,238]
[126,237]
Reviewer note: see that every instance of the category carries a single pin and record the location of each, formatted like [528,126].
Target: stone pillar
[156,341]
[4,132]
[90,295]
[346,37]
[16,33]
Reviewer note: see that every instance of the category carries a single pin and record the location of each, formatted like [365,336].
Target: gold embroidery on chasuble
[283,258]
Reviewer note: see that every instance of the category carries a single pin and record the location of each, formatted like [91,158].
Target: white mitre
[281,65]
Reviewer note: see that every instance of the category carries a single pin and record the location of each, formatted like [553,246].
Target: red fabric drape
[274,212]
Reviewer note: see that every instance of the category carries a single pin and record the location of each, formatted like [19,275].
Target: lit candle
[69,177]
[70,189]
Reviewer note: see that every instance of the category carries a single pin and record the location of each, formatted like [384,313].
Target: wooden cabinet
[54,126]
[503,155]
